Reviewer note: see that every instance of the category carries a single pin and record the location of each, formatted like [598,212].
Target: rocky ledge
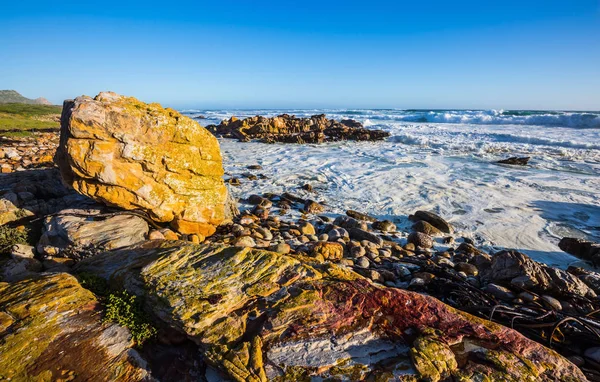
[291,129]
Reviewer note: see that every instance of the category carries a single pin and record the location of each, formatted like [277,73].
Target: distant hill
[12,96]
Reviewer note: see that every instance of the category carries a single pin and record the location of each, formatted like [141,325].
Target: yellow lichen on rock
[134,155]
[49,326]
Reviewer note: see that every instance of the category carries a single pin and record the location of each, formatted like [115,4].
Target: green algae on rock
[258,315]
[50,329]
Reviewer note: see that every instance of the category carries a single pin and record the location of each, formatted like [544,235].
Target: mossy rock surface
[50,329]
[258,315]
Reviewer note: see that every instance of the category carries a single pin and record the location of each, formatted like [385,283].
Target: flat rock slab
[85,227]
[259,315]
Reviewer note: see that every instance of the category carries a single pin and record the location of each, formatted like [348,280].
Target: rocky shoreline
[262,295]
[287,128]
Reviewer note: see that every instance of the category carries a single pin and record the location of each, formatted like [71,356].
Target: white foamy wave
[498,117]
[547,142]
[469,139]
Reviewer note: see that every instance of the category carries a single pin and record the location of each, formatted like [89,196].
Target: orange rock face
[133,155]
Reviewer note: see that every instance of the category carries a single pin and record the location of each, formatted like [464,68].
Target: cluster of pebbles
[374,248]
[22,153]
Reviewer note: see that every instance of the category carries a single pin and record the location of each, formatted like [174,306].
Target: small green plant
[10,236]
[125,310]
[96,284]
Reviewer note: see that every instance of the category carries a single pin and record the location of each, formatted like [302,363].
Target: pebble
[357,251]
[468,269]
[156,235]
[551,302]
[324,237]
[265,233]
[426,228]
[444,261]
[281,248]
[362,262]
[348,222]
[526,296]
[245,220]
[306,228]
[375,276]
[196,238]
[360,234]
[499,292]
[244,241]
[360,216]
[420,240]
[348,262]
[338,233]
[402,271]
[169,235]
[384,226]
[312,207]
[372,255]
[417,282]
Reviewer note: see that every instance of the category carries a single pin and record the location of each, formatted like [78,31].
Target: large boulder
[50,330]
[133,155]
[259,315]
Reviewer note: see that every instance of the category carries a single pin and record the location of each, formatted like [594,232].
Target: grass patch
[17,119]
[26,110]
[126,310]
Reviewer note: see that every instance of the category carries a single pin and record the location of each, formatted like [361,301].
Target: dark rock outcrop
[517,269]
[517,161]
[287,128]
[582,249]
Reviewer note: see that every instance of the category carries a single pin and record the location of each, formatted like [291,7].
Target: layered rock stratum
[133,155]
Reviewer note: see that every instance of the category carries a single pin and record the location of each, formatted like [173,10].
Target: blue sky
[373,54]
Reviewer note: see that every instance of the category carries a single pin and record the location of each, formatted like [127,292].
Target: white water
[447,168]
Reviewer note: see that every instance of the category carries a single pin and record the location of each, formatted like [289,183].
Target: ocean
[443,161]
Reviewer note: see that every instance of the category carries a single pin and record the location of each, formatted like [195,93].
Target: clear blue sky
[418,54]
